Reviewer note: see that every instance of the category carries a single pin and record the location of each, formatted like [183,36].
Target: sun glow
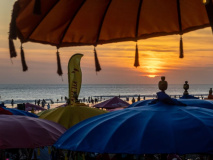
[151,76]
[152,65]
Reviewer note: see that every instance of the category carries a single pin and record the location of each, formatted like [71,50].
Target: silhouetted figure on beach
[127,99]
[139,98]
[12,102]
[51,101]
[43,103]
[133,100]
[210,94]
[48,106]
[162,85]
[38,102]
[92,101]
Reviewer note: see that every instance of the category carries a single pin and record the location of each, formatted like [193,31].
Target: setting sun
[151,76]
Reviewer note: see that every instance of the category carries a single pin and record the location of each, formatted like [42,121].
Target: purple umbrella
[112,103]
[29,107]
[27,132]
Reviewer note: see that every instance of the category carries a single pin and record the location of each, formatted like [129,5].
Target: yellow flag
[74,77]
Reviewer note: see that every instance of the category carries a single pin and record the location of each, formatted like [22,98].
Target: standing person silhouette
[210,96]
[139,97]
[48,106]
[133,100]
[12,102]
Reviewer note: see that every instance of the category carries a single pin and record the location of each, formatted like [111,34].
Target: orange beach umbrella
[64,23]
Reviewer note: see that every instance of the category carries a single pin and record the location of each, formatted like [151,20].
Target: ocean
[22,93]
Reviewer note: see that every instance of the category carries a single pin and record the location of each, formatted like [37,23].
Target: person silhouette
[48,106]
[133,100]
[12,102]
[139,97]
[210,96]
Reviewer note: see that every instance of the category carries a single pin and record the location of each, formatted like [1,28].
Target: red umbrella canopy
[27,132]
[3,111]
[112,103]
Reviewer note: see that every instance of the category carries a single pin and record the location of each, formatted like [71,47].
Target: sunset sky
[158,57]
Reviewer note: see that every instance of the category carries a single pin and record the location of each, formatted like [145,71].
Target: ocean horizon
[23,93]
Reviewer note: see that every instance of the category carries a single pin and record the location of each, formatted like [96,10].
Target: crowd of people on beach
[94,100]
[50,153]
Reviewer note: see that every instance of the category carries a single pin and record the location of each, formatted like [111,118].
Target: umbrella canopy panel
[90,22]
[112,103]
[188,102]
[71,115]
[20,112]
[27,132]
[30,107]
[151,129]
[45,111]
[3,111]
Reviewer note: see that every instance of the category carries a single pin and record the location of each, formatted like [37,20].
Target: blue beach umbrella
[188,97]
[188,102]
[165,126]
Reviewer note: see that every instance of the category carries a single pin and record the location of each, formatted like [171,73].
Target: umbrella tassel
[37,7]
[24,65]
[97,65]
[12,32]
[12,49]
[59,71]
[136,64]
[181,48]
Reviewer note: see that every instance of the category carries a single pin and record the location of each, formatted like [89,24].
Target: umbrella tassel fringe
[136,64]
[24,65]
[181,48]
[12,32]
[12,49]
[59,70]
[37,7]
[97,64]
